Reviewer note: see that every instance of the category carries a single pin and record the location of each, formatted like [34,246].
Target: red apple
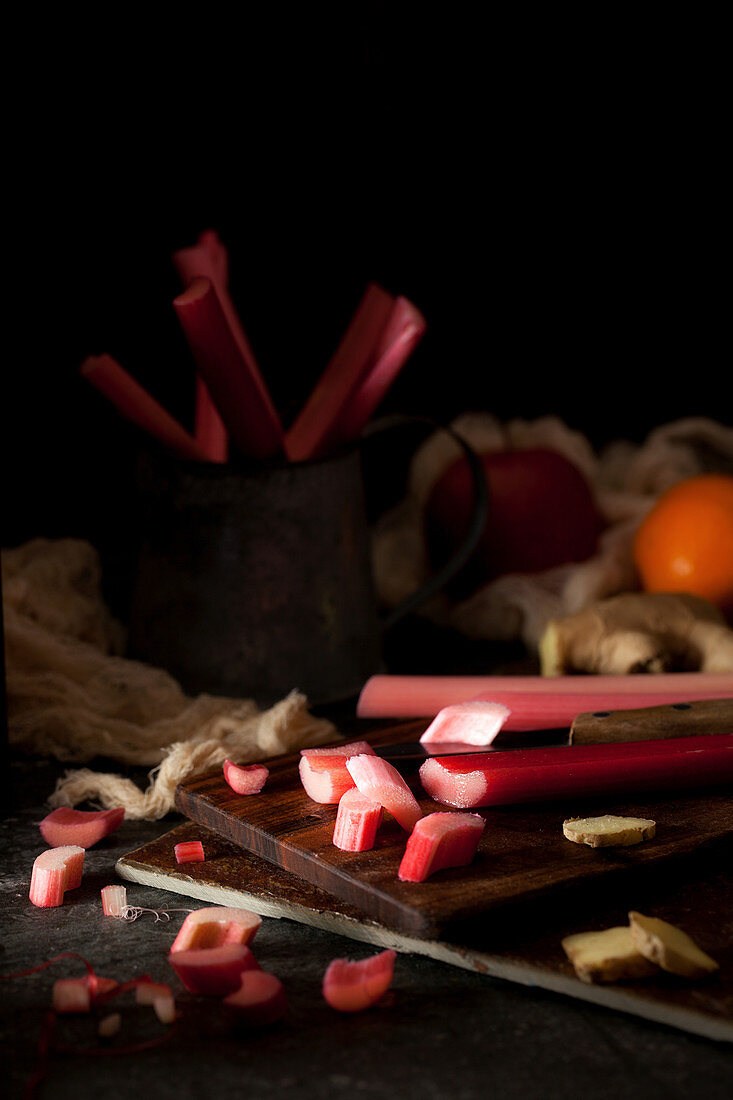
[541,513]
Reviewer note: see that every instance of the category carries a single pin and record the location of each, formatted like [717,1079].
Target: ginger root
[609,830]
[607,956]
[669,947]
[639,632]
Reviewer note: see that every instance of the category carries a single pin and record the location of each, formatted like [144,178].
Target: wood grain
[523,855]
[521,945]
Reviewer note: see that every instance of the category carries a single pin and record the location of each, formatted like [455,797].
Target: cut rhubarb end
[245,778]
[216,926]
[357,821]
[82,828]
[260,999]
[71,995]
[380,781]
[323,771]
[438,841]
[352,986]
[147,992]
[114,901]
[165,1009]
[213,972]
[473,723]
[54,872]
[189,851]
[109,1025]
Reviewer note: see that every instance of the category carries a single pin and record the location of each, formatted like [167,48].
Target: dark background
[549,194]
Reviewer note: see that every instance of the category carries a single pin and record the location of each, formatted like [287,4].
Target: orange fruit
[685,542]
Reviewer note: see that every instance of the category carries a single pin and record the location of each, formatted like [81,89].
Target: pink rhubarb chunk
[71,995]
[351,986]
[189,851]
[260,999]
[357,821]
[146,993]
[245,778]
[380,781]
[114,900]
[473,723]
[80,827]
[213,972]
[54,872]
[440,840]
[216,926]
[323,771]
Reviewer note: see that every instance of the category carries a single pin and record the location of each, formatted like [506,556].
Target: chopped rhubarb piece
[146,992]
[81,827]
[311,432]
[216,926]
[440,840]
[260,999]
[541,697]
[245,778]
[165,1009]
[533,775]
[109,1025]
[380,781]
[357,821]
[136,405]
[351,986]
[473,723]
[71,995]
[231,375]
[54,872]
[213,971]
[189,851]
[323,771]
[114,900]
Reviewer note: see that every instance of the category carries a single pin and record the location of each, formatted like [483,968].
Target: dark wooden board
[522,856]
[522,945]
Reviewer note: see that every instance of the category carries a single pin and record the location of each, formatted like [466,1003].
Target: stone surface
[442,1033]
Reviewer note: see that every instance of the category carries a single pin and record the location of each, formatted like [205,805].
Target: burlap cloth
[626,479]
[72,696]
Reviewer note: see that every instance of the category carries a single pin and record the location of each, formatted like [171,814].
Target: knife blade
[670,720]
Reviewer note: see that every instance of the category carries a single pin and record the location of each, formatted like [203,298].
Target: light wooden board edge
[494,966]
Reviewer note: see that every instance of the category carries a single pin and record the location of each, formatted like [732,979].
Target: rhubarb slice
[311,433]
[189,851]
[380,781]
[351,986]
[80,827]
[232,378]
[136,405]
[323,771]
[357,821]
[216,926]
[533,775]
[147,992]
[71,995]
[214,971]
[245,778]
[109,1025]
[165,1009]
[260,999]
[473,723]
[438,841]
[114,901]
[54,872]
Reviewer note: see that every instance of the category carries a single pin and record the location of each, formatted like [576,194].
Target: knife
[704,716]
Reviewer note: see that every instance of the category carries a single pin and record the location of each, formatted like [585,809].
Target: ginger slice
[607,956]
[669,947]
[609,830]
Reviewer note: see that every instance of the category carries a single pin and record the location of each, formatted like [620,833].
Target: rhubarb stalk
[438,841]
[233,380]
[54,872]
[137,406]
[357,821]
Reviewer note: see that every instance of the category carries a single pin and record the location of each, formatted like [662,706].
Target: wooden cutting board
[523,855]
[521,944]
